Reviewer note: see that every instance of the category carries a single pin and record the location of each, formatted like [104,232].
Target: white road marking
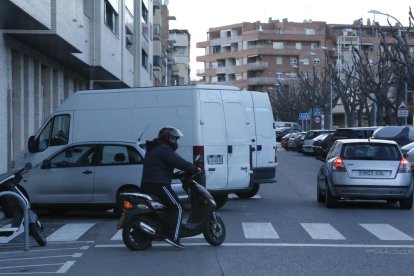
[65,267]
[234,196]
[117,236]
[259,230]
[12,236]
[257,244]
[70,232]
[322,231]
[386,232]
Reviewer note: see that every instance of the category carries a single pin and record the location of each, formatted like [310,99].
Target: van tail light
[405,166]
[198,156]
[338,165]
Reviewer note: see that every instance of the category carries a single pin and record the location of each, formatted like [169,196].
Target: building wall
[38,9]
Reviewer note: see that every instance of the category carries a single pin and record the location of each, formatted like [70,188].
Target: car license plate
[215,159]
[374,173]
[121,220]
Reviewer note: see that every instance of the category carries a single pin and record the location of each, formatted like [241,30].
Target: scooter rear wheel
[134,238]
[35,230]
[215,233]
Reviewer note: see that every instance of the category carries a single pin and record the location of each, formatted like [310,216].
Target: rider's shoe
[175,243]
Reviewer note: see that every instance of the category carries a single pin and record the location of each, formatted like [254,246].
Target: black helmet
[169,136]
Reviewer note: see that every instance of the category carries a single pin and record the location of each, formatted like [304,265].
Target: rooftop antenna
[139,138]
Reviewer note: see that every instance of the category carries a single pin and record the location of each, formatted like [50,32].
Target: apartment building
[49,49]
[179,61]
[256,56]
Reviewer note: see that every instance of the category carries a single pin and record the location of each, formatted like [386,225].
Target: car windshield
[370,151]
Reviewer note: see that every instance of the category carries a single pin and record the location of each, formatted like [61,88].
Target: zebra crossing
[250,231]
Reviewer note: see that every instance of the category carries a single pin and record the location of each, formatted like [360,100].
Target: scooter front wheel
[215,233]
[35,230]
[134,238]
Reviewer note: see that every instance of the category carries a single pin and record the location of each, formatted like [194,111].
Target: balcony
[225,40]
[225,70]
[269,81]
[257,66]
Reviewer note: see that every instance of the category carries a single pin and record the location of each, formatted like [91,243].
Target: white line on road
[259,230]
[386,232]
[65,267]
[322,231]
[256,244]
[70,232]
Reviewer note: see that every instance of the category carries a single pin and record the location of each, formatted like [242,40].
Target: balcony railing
[225,40]
[285,32]
[257,65]
[269,80]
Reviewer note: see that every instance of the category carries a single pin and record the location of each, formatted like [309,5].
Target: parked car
[86,175]
[365,169]
[403,135]
[299,142]
[285,140]
[308,146]
[345,133]
[280,132]
[279,124]
[293,139]
[320,145]
[408,150]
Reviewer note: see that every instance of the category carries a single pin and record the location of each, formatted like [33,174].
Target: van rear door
[238,146]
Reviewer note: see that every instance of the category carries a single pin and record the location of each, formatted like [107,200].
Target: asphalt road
[282,231]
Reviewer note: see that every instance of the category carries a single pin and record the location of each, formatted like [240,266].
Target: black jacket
[159,164]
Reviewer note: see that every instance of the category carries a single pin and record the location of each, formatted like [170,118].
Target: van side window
[55,133]
[119,155]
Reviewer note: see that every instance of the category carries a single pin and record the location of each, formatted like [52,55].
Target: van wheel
[220,200]
[250,193]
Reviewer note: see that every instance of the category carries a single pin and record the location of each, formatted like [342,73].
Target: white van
[262,138]
[212,118]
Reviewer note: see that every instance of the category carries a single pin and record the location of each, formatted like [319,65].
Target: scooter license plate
[121,220]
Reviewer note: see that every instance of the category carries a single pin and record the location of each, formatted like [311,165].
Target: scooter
[145,218]
[12,208]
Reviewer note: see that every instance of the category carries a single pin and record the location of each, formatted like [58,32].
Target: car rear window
[370,151]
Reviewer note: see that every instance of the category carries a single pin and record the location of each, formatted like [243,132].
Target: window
[156,60]
[119,155]
[305,61]
[111,17]
[293,60]
[77,156]
[279,75]
[293,76]
[316,61]
[314,46]
[279,60]
[55,133]
[144,58]
[298,45]
[310,31]
[278,45]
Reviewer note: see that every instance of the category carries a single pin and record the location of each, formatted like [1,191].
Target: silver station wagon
[365,169]
[86,175]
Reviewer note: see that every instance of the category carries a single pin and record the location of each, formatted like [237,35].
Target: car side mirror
[31,144]
[45,164]
[28,166]
[405,155]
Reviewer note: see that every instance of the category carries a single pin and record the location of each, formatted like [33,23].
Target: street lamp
[405,65]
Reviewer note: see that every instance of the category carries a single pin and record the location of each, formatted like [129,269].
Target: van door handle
[87,172]
[244,169]
[259,147]
[211,169]
[229,149]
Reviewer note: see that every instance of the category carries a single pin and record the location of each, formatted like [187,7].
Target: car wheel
[407,203]
[250,193]
[330,200]
[319,195]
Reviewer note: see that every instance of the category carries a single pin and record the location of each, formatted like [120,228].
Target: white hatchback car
[365,169]
[86,175]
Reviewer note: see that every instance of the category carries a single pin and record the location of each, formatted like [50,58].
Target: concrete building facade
[49,49]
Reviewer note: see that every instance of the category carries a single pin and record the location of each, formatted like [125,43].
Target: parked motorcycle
[12,208]
[145,218]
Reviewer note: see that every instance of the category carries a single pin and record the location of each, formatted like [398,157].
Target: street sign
[402,110]
[304,116]
[317,120]
[317,111]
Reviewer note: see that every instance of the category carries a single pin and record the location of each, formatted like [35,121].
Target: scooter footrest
[189,226]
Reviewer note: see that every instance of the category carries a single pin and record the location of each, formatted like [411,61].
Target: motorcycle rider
[159,164]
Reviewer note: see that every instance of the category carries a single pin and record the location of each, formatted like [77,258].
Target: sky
[198,16]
